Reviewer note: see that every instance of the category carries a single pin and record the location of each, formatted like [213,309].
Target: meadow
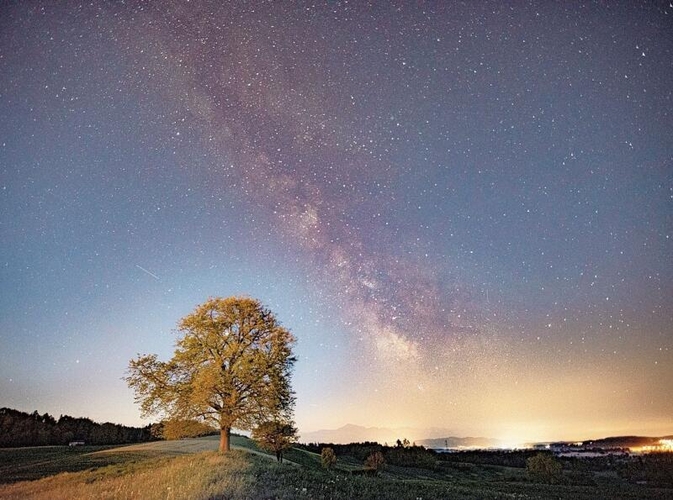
[192,469]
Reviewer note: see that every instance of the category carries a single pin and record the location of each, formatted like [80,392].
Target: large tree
[231,367]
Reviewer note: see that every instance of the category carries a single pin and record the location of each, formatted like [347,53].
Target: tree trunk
[225,444]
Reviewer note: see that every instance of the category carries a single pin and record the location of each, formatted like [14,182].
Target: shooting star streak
[146,271]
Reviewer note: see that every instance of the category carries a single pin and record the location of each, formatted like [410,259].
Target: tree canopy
[231,367]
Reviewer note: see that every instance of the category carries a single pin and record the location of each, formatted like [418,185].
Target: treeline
[505,458]
[655,469]
[18,428]
[410,455]
[402,454]
[359,451]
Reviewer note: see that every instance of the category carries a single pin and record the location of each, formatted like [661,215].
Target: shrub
[328,458]
[375,461]
[544,467]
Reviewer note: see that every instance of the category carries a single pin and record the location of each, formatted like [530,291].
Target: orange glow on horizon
[664,445]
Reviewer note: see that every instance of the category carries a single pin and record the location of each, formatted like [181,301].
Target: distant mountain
[355,433]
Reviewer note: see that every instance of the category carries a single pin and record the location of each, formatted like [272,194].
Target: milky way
[269,105]
[477,196]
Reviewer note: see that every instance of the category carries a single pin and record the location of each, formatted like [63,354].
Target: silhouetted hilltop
[624,441]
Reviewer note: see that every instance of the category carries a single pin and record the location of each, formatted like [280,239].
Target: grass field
[192,469]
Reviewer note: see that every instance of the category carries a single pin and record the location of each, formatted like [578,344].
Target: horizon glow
[462,212]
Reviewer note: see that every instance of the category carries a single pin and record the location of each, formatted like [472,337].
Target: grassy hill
[192,469]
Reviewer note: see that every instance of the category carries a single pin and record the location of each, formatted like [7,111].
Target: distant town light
[664,445]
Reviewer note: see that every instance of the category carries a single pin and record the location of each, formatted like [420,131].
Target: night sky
[462,210]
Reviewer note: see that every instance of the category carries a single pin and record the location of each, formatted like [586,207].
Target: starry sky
[462,210]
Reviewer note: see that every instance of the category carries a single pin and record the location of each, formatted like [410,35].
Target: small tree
[402,444]
[544,467]
[375,461]
[275,436]
[230,368]
[328,458]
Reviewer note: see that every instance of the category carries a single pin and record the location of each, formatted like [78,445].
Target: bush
[544,467]
[375,461]
[328,458]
